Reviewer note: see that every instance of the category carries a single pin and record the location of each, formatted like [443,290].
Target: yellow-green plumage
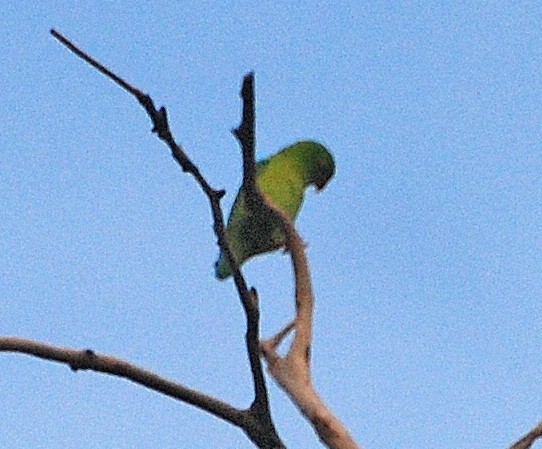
[283,178]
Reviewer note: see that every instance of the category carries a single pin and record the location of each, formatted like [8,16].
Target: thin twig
[528,440]
[122,83]
[158,116]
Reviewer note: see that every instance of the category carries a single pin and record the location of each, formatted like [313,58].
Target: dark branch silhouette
[293,371]
[89,360]
[255,421]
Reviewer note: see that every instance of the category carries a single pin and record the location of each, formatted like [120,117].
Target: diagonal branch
[101,363]
[528,440]
[158,117]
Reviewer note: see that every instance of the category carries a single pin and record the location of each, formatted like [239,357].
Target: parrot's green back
[283,178]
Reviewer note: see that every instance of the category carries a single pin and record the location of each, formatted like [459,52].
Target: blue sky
[426,249]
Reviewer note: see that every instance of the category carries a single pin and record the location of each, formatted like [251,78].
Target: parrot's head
[326,170]
[321,165]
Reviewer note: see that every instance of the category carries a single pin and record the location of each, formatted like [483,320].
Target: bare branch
[89,360]
[158,117]
[245,134]
[122,83]
[256,422]
[528,440]
[293,372]
[274,342]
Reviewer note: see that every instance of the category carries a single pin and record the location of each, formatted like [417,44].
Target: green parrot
[284,178]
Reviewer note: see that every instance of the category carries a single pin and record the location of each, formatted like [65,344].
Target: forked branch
[255,421]
[293,371]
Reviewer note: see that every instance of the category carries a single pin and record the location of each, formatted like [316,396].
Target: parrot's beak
[322,186]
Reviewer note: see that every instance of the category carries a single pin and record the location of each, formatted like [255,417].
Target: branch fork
[293,371]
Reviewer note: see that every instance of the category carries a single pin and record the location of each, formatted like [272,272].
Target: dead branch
[293,371]
[87,359]
[255,421]
[528,440]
